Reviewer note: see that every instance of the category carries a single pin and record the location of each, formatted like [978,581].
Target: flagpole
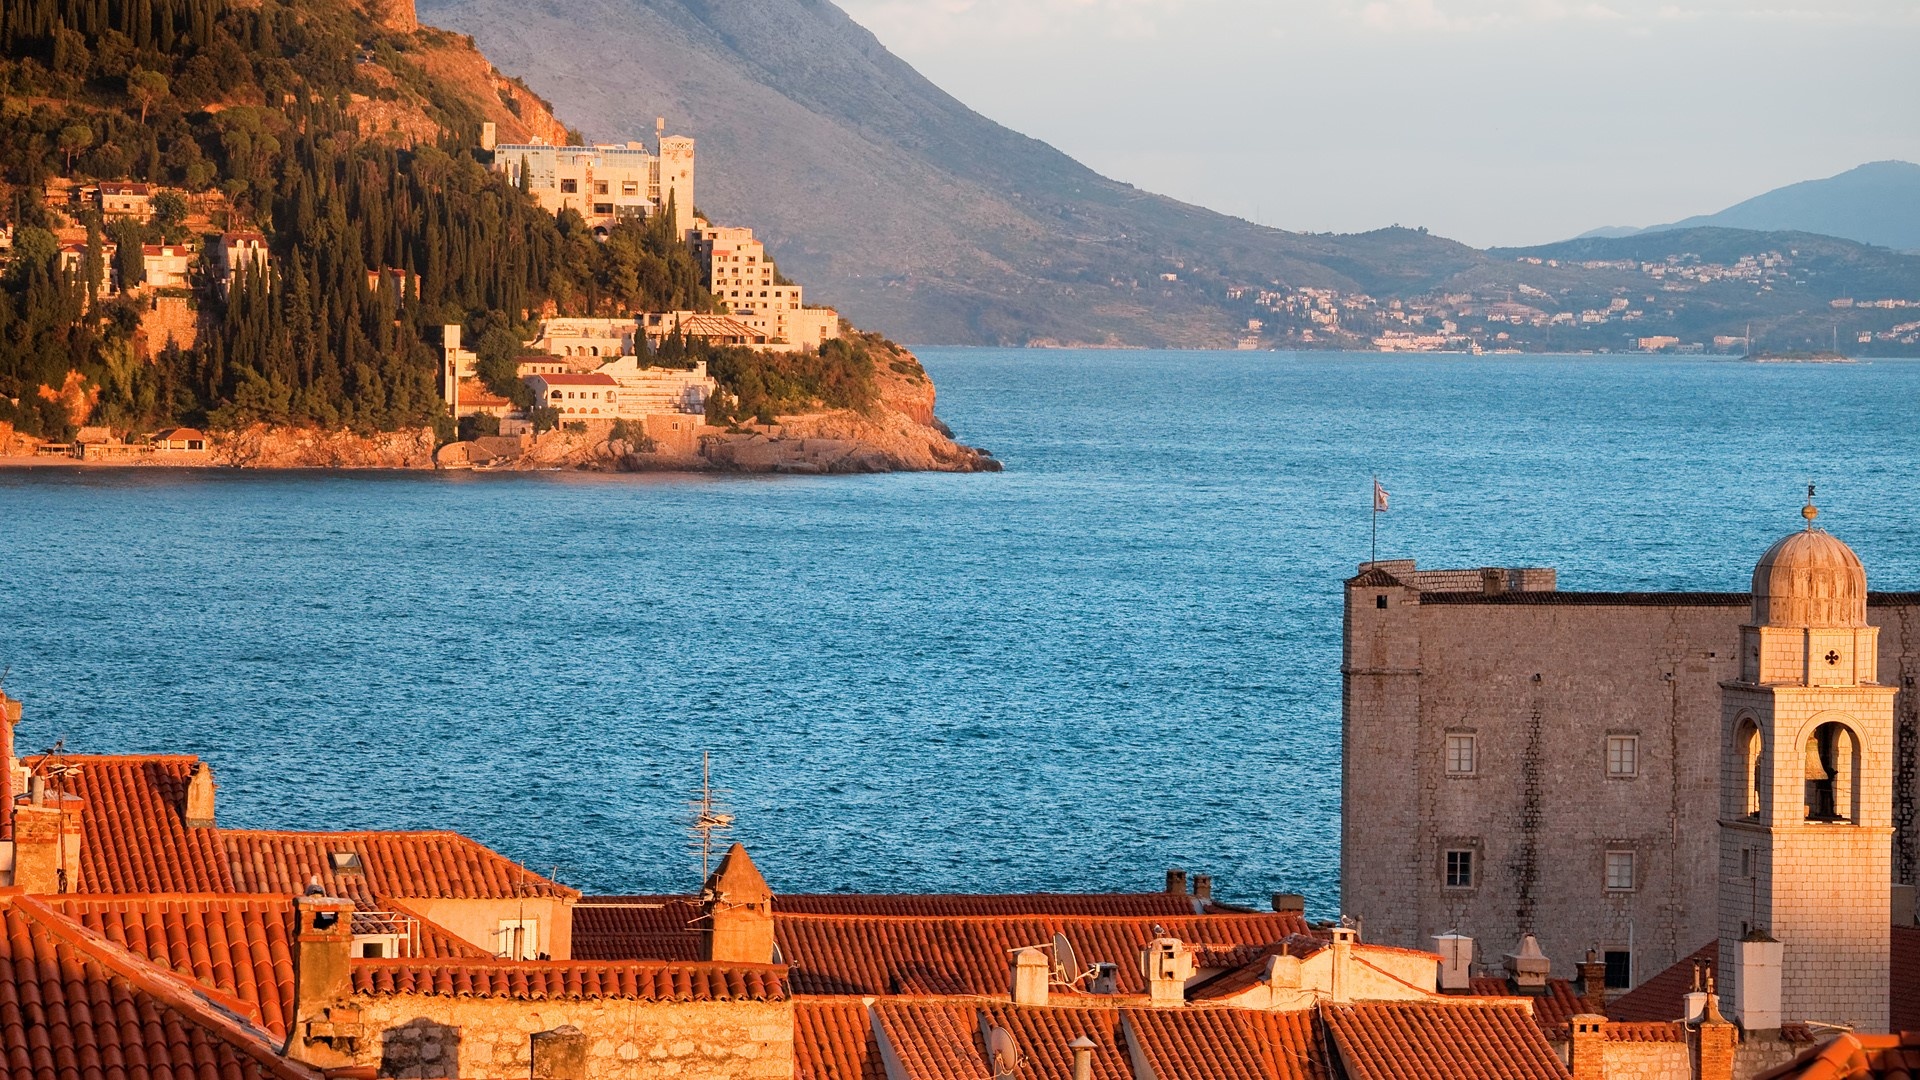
[1373,499]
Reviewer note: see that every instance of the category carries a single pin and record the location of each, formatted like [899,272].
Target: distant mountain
[1877,203]
[888,197]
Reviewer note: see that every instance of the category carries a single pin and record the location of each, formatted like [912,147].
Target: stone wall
[1646,1060]
[1541,681]
[169,318]
[443,1038]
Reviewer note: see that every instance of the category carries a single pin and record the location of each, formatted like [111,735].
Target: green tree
[497,362]
[73,139]
[146,87]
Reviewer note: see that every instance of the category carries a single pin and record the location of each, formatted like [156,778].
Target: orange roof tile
[1663,996]
[238,945]
[833,1040]
[933,1041]
[1041,1037]
[1646,1031]
[572,980]
[833,954]
[1228,1044]
[75,1007]
[1453,1040]
[637,928]
[1551,1010]
[397,865]
[134,836]
[1138,904]
[1855,1057]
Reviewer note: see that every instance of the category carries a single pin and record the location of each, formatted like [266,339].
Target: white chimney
[1529,967]
[1456,960]
[1030,977]
[1166,963]
[1344,939]
[1756,983]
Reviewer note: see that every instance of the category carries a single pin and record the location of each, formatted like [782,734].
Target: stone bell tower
[1806,819]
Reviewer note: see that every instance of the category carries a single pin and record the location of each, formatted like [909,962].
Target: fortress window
[1619,969]
[1459,869]
[1460,755]
[1623,756]
[1620,871]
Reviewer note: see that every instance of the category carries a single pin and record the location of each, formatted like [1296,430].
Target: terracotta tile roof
[572,980]
[934,1041]
[1663,996]
[1483,1040]
[1646,1031]
[396,865]
[1551,1010]
[238,945]
[560,379]
[1130,904]
[1228,1044]
[134,837]
[1850,1056]
[74,1007]
[833,1040]
[636,927]
[834,954]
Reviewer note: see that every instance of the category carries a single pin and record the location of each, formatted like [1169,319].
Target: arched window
[1833,766]
[1752,782]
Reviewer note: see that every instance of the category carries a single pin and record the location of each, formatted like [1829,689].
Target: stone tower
[1806,819]
[676,180]
[738,912]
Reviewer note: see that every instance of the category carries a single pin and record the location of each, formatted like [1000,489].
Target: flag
[1379,498]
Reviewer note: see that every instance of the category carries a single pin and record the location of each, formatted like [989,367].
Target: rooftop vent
[345,862]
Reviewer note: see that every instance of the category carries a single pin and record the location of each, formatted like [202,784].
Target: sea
[1118,656]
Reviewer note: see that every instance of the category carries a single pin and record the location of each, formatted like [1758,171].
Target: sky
[1489,121]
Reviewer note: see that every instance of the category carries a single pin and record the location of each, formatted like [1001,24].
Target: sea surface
[1120,655]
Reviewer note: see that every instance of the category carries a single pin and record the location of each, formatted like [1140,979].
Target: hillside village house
[180,438]
[237,250]
[739,273]
[135,200]
[604,183]
[588,396]
[167,265]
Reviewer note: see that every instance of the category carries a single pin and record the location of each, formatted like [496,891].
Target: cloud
[912,25]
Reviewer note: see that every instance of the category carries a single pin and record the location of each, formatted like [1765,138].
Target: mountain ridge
[1875,203]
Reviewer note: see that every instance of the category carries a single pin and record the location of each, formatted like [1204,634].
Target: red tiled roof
[593,378]
[1855,1057]
[74,1007]
[636,928]
[1131,904]
[1551,1010]
[473,392]
[1663,996]
[1485,1040]
[934,1041]
[399,865]
[1646,1031]
[572,980]
[134,837]
[238,945]
[1228,1044]
[833,1040]
[835,954]
[180,433]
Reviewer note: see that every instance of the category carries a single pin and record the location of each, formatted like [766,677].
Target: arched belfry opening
[1750,749]
[1833,770]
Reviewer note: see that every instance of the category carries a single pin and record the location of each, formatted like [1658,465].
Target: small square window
[1623,756]
[345,862]
[1619,871]
[1380,601]
[1460,755]
[1619,969]
[1459,869]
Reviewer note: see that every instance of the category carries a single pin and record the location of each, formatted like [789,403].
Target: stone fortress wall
[1541,679]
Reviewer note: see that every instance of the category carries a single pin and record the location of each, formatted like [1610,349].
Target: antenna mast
[710,821]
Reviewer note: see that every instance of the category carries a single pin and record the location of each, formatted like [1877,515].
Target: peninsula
[314,233]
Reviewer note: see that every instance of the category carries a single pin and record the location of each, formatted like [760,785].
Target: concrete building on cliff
[1665,779]
[605,183]
[740,275]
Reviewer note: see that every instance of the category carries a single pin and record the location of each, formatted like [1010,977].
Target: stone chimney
[200,789]
[1030,976]
[1177,882]
[326,1029]
[1287,903]
[1203,886]
[1166,963]
[1082,1048]
[1586,1050]
[1344,939]
[9,718]
[1713,1052]
[1529,967]
[560,1054]
[738,908]
[48,839]
[1593,983]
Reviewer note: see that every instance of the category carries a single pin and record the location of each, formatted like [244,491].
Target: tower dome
[1811,579]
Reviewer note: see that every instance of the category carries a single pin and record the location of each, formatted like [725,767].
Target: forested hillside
[320,125]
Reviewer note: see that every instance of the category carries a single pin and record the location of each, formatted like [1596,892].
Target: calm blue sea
[1120,655]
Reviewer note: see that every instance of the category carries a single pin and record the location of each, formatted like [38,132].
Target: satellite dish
[1001,1053]
[1063,956]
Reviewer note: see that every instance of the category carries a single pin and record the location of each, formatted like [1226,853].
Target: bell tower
[1806,819]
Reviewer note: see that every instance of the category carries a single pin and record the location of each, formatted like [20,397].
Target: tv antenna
[710,821]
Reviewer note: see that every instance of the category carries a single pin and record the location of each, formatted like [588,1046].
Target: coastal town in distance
[460,625]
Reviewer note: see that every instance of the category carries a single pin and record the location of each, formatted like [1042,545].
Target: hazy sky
[1491,121]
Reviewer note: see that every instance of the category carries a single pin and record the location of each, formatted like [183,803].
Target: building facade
[605,183]
[740,275]
[1556,760]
